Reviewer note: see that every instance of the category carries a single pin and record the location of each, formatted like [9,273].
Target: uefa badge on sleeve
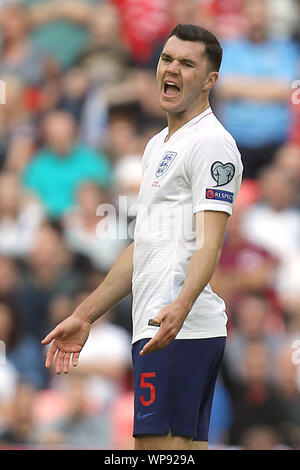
[222,173]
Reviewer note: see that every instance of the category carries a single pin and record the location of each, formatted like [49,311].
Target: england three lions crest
[165,163]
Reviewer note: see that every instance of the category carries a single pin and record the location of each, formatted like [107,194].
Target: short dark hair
[191,32]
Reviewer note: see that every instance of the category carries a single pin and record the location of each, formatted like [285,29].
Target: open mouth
[171,89]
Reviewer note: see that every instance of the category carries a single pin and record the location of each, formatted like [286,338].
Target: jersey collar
[190,123]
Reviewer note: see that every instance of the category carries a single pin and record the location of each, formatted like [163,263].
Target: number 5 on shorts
[149,385]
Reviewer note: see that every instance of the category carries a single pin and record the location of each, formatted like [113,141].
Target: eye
[166,59]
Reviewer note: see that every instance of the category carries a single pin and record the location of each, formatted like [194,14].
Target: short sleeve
[214,169]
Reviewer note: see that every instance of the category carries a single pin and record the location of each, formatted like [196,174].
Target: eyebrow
[164,55]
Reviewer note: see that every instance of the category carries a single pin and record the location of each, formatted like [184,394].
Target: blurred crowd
[80,105]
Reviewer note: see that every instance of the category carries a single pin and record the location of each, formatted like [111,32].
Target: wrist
[85,314]
[183,303]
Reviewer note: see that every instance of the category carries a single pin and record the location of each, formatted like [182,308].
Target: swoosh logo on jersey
[142,416]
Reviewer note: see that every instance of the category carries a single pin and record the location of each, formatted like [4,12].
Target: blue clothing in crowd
[55,179]
[26,356]
[259,123]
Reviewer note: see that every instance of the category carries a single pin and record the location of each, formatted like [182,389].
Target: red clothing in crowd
[225,16]
[144,23]
[248,259]
[294,136]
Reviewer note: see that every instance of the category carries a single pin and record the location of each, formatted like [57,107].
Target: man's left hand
[171,318]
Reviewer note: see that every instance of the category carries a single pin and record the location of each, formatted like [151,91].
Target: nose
[173,66]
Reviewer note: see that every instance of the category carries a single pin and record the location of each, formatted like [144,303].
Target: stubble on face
[182,72]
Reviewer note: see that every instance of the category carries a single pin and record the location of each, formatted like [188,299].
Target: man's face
[60,132]
[182,75]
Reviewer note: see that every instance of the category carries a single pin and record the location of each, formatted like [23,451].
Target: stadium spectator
[17,130]
[178,12]
[79,425]
[74,88]
[49,272]
[8,385]
[20,217]
[20,428]
[87,67]
[59,27]
[255,92]
[9,277]
[260,438]
[286,372]
[105,62]
[225,17]
[23,350]
[253,320]
[62,164]
[288,158]
[19,56]
[105,58]
[244,267]
[128,176]
[143,25]
[83,231]
[294,132]
[275,214]
[255,401]
[122,135]
[283,17]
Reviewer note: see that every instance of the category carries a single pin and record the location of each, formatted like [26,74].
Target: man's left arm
[210,231]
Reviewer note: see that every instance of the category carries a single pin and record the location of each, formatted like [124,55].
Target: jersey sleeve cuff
[212,207]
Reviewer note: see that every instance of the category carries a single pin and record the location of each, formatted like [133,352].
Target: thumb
[50,336]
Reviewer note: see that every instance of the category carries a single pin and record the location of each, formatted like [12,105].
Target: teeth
[171,83]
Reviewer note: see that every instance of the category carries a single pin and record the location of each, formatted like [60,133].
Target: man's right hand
[68,339]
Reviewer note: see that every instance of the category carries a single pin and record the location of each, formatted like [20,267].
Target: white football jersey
[197,169]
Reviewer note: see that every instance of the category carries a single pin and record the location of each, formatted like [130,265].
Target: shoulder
[39,160]
[212,135]
[89,153]
[211,144]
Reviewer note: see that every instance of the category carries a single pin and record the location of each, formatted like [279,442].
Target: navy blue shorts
[174,387]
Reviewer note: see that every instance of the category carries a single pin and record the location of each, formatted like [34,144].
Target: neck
[177,120]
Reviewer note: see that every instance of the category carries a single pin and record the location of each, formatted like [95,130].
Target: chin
[169,107]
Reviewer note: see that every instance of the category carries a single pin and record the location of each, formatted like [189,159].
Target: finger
[157,342]
[66,363]
[52,335]
[159,317]
[148,347]
[50,355]
[162,338]
[59,362]
[75,359]
[48,338]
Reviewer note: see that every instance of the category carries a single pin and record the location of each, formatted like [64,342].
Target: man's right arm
[68,337]
[116,286]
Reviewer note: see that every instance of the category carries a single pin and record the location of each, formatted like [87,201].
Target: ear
[211,81]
